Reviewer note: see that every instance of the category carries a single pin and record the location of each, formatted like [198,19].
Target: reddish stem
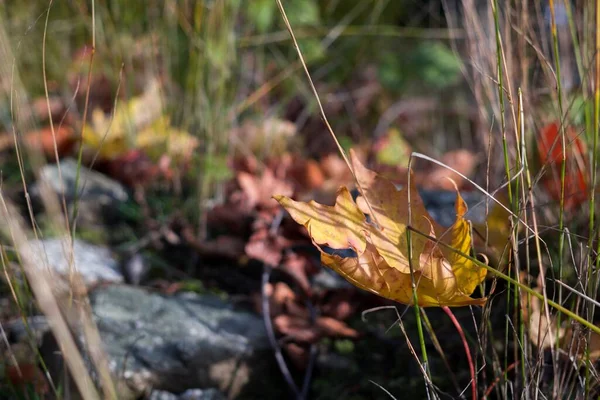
[493,385]
[467,349]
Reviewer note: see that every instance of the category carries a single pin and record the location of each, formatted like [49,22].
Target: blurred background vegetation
[189,87]
[377,64]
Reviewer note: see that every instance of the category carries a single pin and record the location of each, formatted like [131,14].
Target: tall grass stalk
[73,222]
[544,102]
[521,150]
[563,167]
[511,199]
[594,232]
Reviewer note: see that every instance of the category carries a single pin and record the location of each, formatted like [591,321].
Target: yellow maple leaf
[138,124]
[467,273]
[441,276]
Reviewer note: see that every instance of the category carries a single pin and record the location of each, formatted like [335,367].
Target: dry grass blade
[39,279]
[46,300]
[318,99]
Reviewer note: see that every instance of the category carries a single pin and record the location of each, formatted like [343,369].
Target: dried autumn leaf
[389,209]
[383,263]
[302,329]
[339,303]
[279,295]
[545,332]
[335,168]
[296,328]
[265,247]
[298,354]
[335,328]
[64,138]
[340,227]
[298,267]
[392,149]
[468,275]
[138,124]
[463,161]
[132,168]
[306,174]
[258,190]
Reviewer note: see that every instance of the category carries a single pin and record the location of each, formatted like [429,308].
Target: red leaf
[44,140]
[551,154]
[25,374]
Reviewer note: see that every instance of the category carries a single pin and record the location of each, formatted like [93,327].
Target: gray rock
[191,394]
[332,361]
[162,395]
[18,331]
[135,269]
[327,279]
[172,343]
[92,185]
[440,205]
[98,197]
[95,263]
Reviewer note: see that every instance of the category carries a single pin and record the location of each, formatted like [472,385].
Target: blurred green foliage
[202,43]
[396,151]
[429,64]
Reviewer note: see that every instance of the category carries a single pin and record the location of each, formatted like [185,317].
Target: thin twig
[266,311]
[313,352]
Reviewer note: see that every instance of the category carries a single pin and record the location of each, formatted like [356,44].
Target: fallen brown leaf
[543,332]
[229,217]
[461,160]
[279,294]
[306,175]
[39,107]
[339,304]
[230,247]
[297,328]
[132,168]
[43,140]
[298,354]
[299,267]
[335,328]
[266,247]
[259,191]
[301,330]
